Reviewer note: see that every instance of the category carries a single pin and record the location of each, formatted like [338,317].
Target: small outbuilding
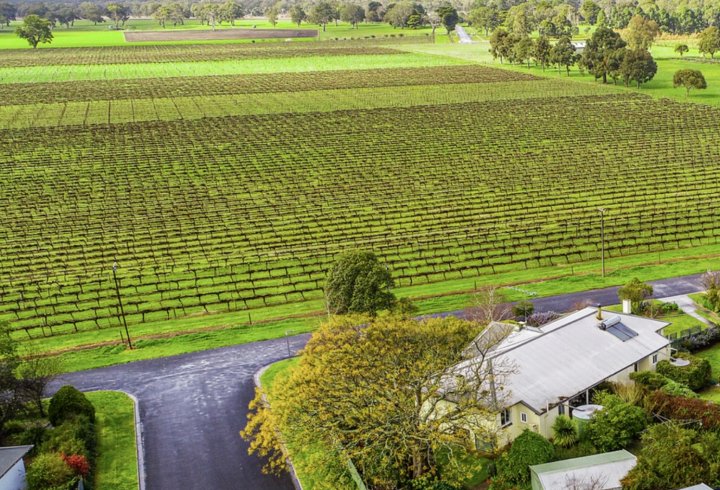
[12,467]
[604,471]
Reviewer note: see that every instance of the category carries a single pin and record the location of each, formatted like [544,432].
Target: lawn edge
[256,380]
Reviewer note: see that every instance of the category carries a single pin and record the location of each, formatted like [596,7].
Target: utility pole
[287,340]
[122,310]
[602,238]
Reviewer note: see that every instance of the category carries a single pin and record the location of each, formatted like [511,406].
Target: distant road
[192,406]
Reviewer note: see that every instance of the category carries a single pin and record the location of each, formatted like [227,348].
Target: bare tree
[35,372]
[489,305]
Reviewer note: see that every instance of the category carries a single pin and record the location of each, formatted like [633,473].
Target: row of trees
[563,17]
[605,55]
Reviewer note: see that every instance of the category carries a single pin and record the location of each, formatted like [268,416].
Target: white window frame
[505,414]
[523,417]
[655,358]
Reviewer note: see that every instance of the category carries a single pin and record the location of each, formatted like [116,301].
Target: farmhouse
[555,367]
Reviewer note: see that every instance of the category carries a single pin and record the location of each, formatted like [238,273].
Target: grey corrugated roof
[572,355]
[607,469]
[11,455]
[701,486]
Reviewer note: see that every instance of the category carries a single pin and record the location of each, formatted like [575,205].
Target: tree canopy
[384,392]
[35,30]
[359,283]
[690,79]
[637,292]
[603,53]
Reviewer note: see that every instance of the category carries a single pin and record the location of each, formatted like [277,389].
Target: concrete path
[193,406]
[687,305]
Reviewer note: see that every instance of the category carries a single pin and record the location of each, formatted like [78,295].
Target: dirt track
[222,34]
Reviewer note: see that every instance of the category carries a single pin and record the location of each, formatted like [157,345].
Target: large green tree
[690,79]
[322,14]
[353,14]
[35,30]
[638,66]
[448,16]
[563,54]
[359,283]
[603,53]
[709,41]
[641,33]
[387,393]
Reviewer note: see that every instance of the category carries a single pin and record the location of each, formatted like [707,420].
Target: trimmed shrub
[67,403]
[75,436]
[49,472]
[564,431]
[528,449]
[652,380]
[616,425]
[678,389]
[696,376]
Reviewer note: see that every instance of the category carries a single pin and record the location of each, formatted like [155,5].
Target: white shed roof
[572,355]
[606,469]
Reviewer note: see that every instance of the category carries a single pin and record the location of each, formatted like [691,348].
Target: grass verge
[116,467]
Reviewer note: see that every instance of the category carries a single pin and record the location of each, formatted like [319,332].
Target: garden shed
[603,470]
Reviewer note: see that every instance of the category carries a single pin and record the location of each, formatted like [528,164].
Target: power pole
[602,238]
[122,310]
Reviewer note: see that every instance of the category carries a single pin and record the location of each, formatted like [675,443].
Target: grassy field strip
[117,467]
[168,109]
[84,33]
[59,73]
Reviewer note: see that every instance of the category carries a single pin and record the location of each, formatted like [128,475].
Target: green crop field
[225,178]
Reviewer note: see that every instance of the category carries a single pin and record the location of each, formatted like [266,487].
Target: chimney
[627,306]
[599,313]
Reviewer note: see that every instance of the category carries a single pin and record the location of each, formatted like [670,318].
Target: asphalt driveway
[191,408]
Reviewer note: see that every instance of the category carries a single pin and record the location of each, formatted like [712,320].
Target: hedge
[696,376]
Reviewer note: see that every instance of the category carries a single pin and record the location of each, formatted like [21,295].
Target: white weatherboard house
[12,467]
[603,471]
[555,367]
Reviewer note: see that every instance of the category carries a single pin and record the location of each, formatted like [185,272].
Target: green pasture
[660,87]
[84,33]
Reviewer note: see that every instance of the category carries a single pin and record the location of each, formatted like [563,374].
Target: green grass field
[116,467]
[226,178]
[84,33]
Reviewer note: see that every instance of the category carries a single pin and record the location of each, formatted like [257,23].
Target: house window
[523,417]
[636,367]
[561,409]
[505,418]
[655,357]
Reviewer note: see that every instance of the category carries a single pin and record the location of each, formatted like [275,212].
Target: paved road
[192,406]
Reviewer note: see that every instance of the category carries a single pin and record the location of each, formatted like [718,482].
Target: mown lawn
[116,467]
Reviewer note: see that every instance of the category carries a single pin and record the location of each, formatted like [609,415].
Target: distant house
[604,471]
[12,467]
[579,46]
[555,367]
